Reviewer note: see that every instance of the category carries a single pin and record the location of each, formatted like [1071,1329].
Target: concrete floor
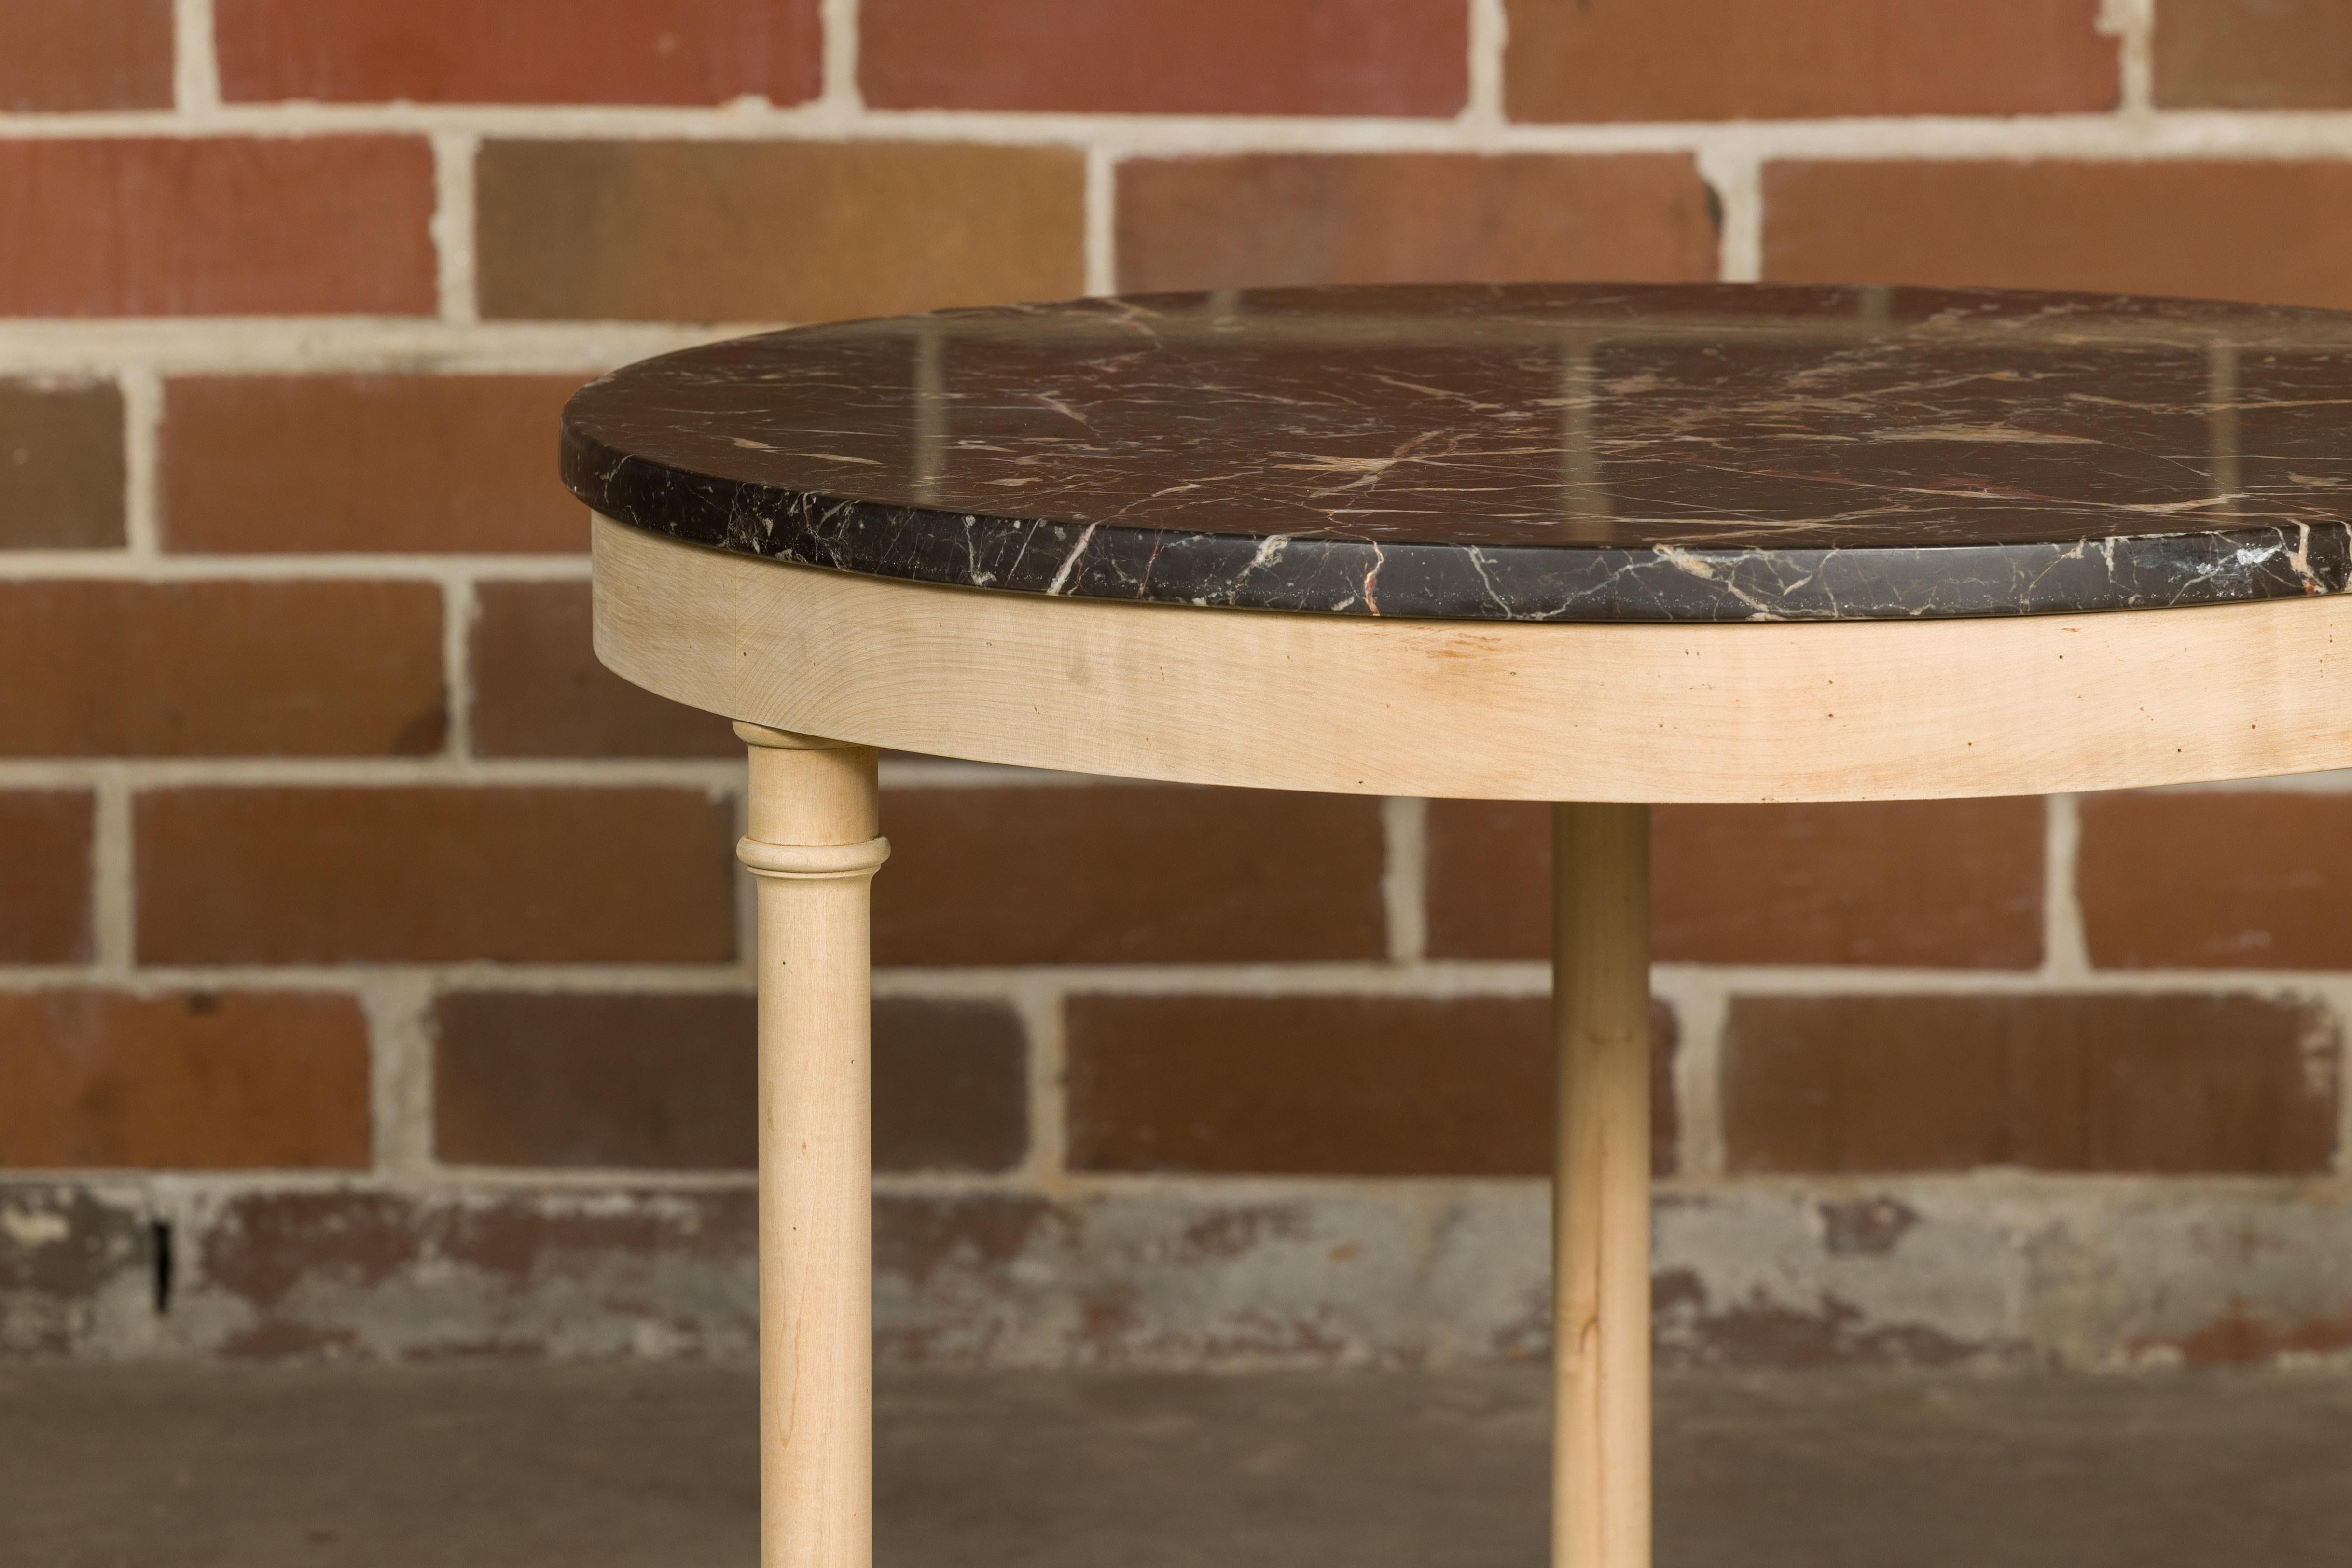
[652,1467]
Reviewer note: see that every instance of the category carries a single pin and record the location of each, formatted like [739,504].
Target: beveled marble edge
[1337,575]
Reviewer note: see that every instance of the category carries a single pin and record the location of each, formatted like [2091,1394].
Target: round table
[1606,545]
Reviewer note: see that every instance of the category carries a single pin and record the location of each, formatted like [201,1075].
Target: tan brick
[1930,884]
[60,465]
[205,1081]
[1373,1086]
[720,231]
[322,463]
[2253,53]
[1262,220]
[2224,880]
[1800,59]
[518,51]
[539,691]
[2273,232]
[58,56]
[2170,1084]
[1128,874]
[45,876]
[1145,56]
[218,225]
[221,668]
[434,875]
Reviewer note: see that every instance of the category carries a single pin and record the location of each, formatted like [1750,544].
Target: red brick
[1934,884]
[1272,218]
[221,668]
[2273,232]
[1373,1086]
[239,1080]
[654,1082]
[318,463]
[218,225]
[1797,59]
[1145,56]
[2144,1084]
[61,448]
[1128,874]
[434,875]
[539,691]
[45,876]
[58,56]
[519,51]
[2244,881]
[740,231]
[2253,53]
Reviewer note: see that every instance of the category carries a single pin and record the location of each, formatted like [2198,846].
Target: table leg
[814,844]
[1601,1187]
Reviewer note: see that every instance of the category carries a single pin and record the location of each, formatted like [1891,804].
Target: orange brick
[57,56]
[221,668]
[45,876]
[2244,881]
[2253,53]
[61,441]
[539,691]
[316,463]
[205,1081]
[218,225]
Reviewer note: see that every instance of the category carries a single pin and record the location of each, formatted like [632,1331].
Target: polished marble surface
[1519,452]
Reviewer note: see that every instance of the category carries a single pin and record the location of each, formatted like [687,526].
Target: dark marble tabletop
[1534,452]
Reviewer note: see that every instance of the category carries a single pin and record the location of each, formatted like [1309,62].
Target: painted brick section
[434,875]
[539,691]
[2253,53]
[58,56]
[1406,217]
[60,465]
[1145,56]
[2250,880]
[2273,232]
[1802,59]
[775,231]
[1204,876]
[329,463]
[221,668]
[45,876]
[2169,1084]
[1933,884]
[240,1080]
[654,1082]
[518,51]
[218,225]
[1374,1085]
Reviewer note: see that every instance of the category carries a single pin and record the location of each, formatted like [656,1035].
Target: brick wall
[372,965]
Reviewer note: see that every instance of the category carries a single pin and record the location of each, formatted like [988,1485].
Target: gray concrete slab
[651,1466]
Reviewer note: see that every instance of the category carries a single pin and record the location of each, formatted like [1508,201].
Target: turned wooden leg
[1601,1187]
[814,844]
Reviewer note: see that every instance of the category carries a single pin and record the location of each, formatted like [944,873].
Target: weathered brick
[1339,1085]
[519,51]
[77,1268]
[221,668]
[434,874]
[719,231]
[45,876]
[654,1082]
[2065,1082]
[539,691]
[1733,59]
[58,56]
[2253,54]
[218,225]
[1143,56]
[236,1081]
[1263,220]
[1934,884]
[1128,874]
[2226,881]
[60,465]
[2274,232]
[316,463]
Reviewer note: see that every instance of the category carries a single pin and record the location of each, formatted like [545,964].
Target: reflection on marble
[1525,452]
